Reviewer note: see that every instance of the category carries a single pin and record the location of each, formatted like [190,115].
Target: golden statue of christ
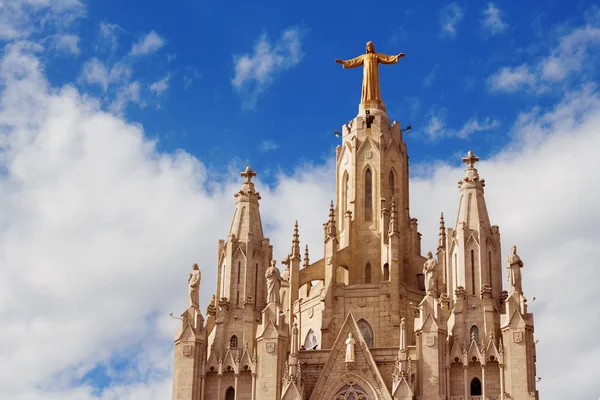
[371,61]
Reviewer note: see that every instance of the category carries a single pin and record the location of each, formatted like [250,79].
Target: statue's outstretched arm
[353,63]
[385,59]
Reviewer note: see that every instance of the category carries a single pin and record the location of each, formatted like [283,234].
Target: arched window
[475,387]
[351,391]
[475,333]
[256,286]
[368,273]
[386,272]
[230,394]
[311,342]
[368,195]
[239,271]
[233,342]
[345,193]
[472,272]
[366,331]
[392,187]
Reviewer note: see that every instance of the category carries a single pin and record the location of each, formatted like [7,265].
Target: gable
[363,373]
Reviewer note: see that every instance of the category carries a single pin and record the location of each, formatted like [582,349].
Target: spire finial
[470,159]
[296,241]
[248,174]
[442,234]
[306,262]
[331,212]
[330,229]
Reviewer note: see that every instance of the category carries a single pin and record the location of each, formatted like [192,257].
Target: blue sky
[444,82]
[123,128]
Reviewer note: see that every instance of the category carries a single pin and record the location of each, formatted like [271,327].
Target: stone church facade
[373,318]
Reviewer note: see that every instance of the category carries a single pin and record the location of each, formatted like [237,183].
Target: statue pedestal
[375,107]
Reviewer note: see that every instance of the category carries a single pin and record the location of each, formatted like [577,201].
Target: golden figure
[371,61]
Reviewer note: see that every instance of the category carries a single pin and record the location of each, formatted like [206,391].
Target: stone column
[501,366]
[465,367]
[202,377]
[483,381]
[219,386]
[253,386]
[235,386]
[447,382]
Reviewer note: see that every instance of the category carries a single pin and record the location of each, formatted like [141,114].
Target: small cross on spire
[248,174]
[470,159]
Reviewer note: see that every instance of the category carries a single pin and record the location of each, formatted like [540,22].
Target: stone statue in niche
[273,283]
[194,286]
[429,271]
[350,348]
[513,267]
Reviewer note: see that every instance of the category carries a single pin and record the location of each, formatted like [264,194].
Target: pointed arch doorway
[351,386]
[351,391]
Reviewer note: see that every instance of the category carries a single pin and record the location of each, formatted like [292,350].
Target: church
[374,318]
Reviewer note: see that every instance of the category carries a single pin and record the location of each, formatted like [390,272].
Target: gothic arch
[369,178]
[230,394]
[368,273]
[311,342]
[233,342]
[366,331]
[475,387]
[475,333]
[386,272]
[392,186]
[347,380]
[345,191]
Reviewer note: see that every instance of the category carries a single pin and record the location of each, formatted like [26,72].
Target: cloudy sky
[123,129]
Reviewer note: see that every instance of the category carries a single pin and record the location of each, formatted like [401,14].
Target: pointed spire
[246,219]
[306,260]
[330,229]
[471,174]
[393,218]
[442,234]
[331,212]
[296,242]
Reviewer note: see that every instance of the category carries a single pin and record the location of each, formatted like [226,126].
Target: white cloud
[255,72]
[450,16]
[150,43]
[428,80]
[475,125]
[571,55]
[96,72]
[66,43]
[492,19]
[161,86]
[512,79]
[128,93]
[21,18]
[108,34]
[268,145]
[437,128]
[190,75]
